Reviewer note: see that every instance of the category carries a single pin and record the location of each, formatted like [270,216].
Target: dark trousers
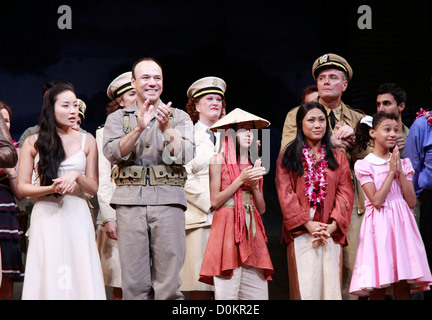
[426,228]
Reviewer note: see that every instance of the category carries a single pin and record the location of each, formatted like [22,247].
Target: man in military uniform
[149,141]
[332,74]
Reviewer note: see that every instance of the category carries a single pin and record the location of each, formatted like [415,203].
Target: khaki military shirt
[150,149]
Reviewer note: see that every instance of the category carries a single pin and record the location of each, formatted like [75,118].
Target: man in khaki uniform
[332,74]
[150,142]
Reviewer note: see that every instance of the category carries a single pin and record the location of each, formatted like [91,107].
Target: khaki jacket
[106,184]
[197,187]
[150,150]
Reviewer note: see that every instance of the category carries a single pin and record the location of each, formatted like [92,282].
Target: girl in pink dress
[391,258]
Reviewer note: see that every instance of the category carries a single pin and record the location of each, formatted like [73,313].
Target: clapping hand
[253,174]
[145,115]
[396,152]
[395,162]
[162,116]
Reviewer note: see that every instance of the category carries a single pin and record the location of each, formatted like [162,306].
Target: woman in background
[12,267]
[205,106]
[121,95]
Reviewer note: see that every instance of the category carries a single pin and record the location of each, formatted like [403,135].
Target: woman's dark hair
[293,155]
[8,109]
[49,144]
[361,131]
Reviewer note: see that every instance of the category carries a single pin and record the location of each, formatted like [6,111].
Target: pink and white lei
[427,115]
[315,178]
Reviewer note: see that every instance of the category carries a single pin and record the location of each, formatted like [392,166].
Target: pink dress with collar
[390,247]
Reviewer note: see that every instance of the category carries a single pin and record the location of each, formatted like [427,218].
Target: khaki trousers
[350,252]
[151,243]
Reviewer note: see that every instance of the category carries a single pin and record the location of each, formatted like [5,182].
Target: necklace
[426,114]
[315,177]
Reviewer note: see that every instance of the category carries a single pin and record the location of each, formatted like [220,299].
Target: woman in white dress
[56,168]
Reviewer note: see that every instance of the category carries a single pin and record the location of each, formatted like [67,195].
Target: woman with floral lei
[236,260]
[316,197]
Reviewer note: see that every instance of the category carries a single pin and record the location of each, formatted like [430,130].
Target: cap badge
[323,59]
[215,82]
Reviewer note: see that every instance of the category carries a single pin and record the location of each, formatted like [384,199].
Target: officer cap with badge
[207,85]
[331,61]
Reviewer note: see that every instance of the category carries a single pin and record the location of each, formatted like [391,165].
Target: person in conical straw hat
[236,260]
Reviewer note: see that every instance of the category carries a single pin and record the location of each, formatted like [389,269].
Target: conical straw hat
[238,116]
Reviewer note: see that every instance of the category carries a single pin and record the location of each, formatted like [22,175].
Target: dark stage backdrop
[264,50]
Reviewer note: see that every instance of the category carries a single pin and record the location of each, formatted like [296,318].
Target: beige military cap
[119,85]
[82,107]
[207,85]
[331,61]
[239,116]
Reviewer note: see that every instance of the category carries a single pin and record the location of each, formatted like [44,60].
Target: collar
[376,160]
[131,108]
[337,112]
[202,126]
[342,111]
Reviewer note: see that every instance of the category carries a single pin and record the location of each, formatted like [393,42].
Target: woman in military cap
[236,259]
[205,106]
[121,95]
